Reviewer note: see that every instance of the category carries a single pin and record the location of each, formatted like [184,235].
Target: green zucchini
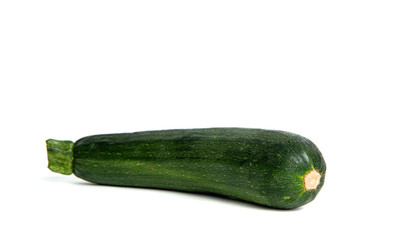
[271,168]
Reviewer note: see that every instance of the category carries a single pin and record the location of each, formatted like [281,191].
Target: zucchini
[271,168]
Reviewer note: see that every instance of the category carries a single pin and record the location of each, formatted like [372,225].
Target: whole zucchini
[272,168]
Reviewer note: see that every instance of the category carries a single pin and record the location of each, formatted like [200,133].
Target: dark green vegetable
[271,168]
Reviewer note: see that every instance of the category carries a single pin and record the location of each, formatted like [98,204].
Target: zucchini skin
[265,167]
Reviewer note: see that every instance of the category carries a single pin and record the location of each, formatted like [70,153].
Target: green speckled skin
[260,166]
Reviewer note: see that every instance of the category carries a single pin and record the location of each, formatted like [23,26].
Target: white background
[322,69]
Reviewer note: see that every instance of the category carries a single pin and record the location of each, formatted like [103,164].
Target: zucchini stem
[312,180]
[60,156]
